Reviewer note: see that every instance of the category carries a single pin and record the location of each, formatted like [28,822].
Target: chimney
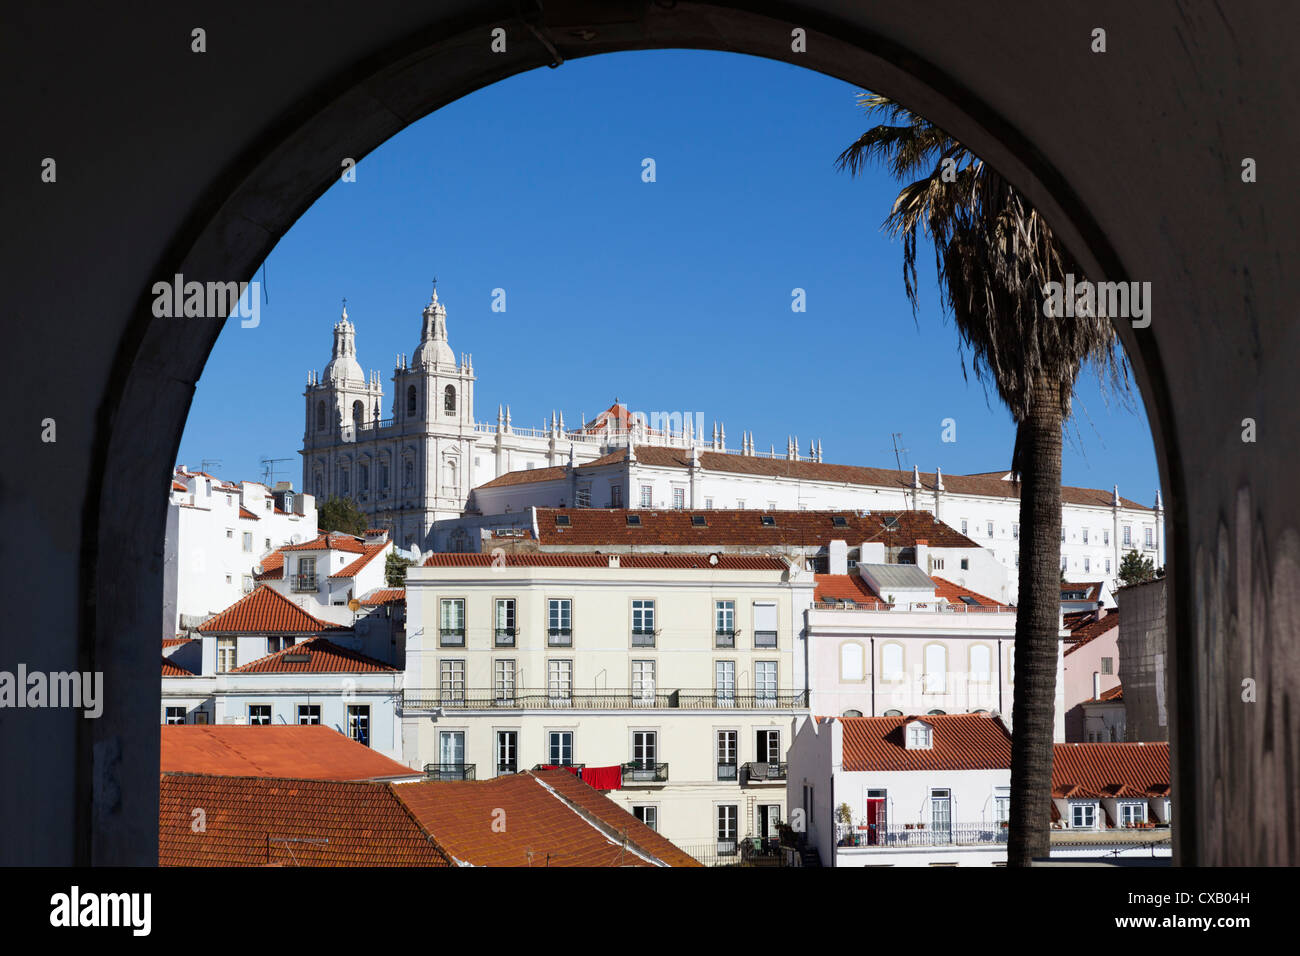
[613,560]
[1096,685]
[838,555]
[923,554]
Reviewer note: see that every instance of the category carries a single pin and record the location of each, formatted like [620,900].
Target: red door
[875,820]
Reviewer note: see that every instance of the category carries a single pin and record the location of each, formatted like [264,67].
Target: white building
[266,661]
[324,574]
[670,678]
[217,533]
[1098,527]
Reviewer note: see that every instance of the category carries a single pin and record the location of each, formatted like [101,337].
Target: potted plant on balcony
[844,817]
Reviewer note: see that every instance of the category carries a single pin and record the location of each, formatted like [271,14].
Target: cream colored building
[682,670]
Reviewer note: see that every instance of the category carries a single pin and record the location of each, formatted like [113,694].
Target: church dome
[433,349]
[343,365]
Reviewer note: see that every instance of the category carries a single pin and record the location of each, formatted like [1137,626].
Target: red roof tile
[272,567]
[960,742]
[1108,696]
[332,541]
[275,821]
[245,513]
[1110,770]
[983,485]
[263,611]
[384,596]
[743,527]
[1091,589]
[700,562]
[1087,631]
[953,594]
[178,486]
[548,822]
[353,569]
[833,588]
[174,670]
[309,752]
[323,657]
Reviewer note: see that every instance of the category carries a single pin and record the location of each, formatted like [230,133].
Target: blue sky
[671,295]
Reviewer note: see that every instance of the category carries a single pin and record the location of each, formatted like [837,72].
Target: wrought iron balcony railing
[302,582]
[644,771]
[449,771]
[727,771]
[415,699]
[757,771]
[724,638]
[451,637]
[920,834]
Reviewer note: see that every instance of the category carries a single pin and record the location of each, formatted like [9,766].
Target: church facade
[418,464]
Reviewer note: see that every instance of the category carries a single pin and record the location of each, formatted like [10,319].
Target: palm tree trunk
[1037,614]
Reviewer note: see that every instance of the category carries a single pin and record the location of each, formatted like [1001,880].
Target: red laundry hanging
[560,766]
[604,778]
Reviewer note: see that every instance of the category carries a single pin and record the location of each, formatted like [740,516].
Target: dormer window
[919,735]
[839,521]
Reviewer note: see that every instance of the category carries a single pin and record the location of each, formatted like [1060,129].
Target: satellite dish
[354,605]
[713,559]
[294,538]
[257,569]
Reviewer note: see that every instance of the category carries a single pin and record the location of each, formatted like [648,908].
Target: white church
[432,462]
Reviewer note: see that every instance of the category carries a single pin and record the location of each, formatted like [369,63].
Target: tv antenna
[268,470]
[898,452]
[203,465]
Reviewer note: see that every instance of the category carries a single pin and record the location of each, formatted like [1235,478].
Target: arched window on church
[410,399]
[449,400]
[320,416]
[358,413]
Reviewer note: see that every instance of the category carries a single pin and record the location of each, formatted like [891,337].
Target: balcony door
[941,814]
[451,749]
[877,817]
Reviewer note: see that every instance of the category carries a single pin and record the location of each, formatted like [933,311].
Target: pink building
[1091,669]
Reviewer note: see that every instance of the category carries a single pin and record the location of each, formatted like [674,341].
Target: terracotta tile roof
[264,611]
[527,476]
[953,594]
[384,596]
[833,588]
[174,641]
[989,485]
[174,670]
[323,657]
[546,815]
[178,486]
[1087,631]
[272,567]
[1110,770]
[960,742]
[275,821]
[1091,589]
[1116,693]
[308,752]
[353,569]
[369,532]
[744,527]
[245,513]
[332,541]
[696,562]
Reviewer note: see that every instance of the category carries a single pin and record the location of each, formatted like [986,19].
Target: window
[226,648]
[451,627]
[728,817]
[708,504]
[309,713]
[1085,535]
[891,662]
[1131,814]
[893,713]
[559,747]
[507,751]
[964,529]
[363,478]
[1083,816]
[851,663]
[645,749]
[408,473]
[767,521]
[965,564]
[1108,565]
[248,541]
[633,521]
[343,479]
[679,498]
[981,663]
[1087,564]
[410,399]
[383,476]
[451,749]
[643,683]
[643,623]
[918,735]
[724,682]
[724,623]
[259,715]
[1128,535]
[616,496]
[505,627]
[1001,805]
[175,715]
[727,744]
[559,682]
[1108,665]
[582,496]
[449,400]
[1148,537]
[740,504]
[990,529]
[647,815]
[359,723]
[767,746]
[936,669]
[1062,532]
[771,506]
[936,564]
[1065,562]
[451,681]
[320,416]
[559,622]
[765,683]
[941,811]
[503,671]
[230,534]
[765,624]
[647,495]
[247,584]
[1015,530]
[1105,536]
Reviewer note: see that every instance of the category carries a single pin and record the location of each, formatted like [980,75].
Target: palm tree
[994,255]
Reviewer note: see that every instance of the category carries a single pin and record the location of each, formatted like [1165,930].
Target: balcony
[417,699]
[451,637]
[644,771]
[643,638]
[505,637]
[449,771]
[506,769]
[302,582]
[559,637]
[573,768]
[896,835]
[757,771]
